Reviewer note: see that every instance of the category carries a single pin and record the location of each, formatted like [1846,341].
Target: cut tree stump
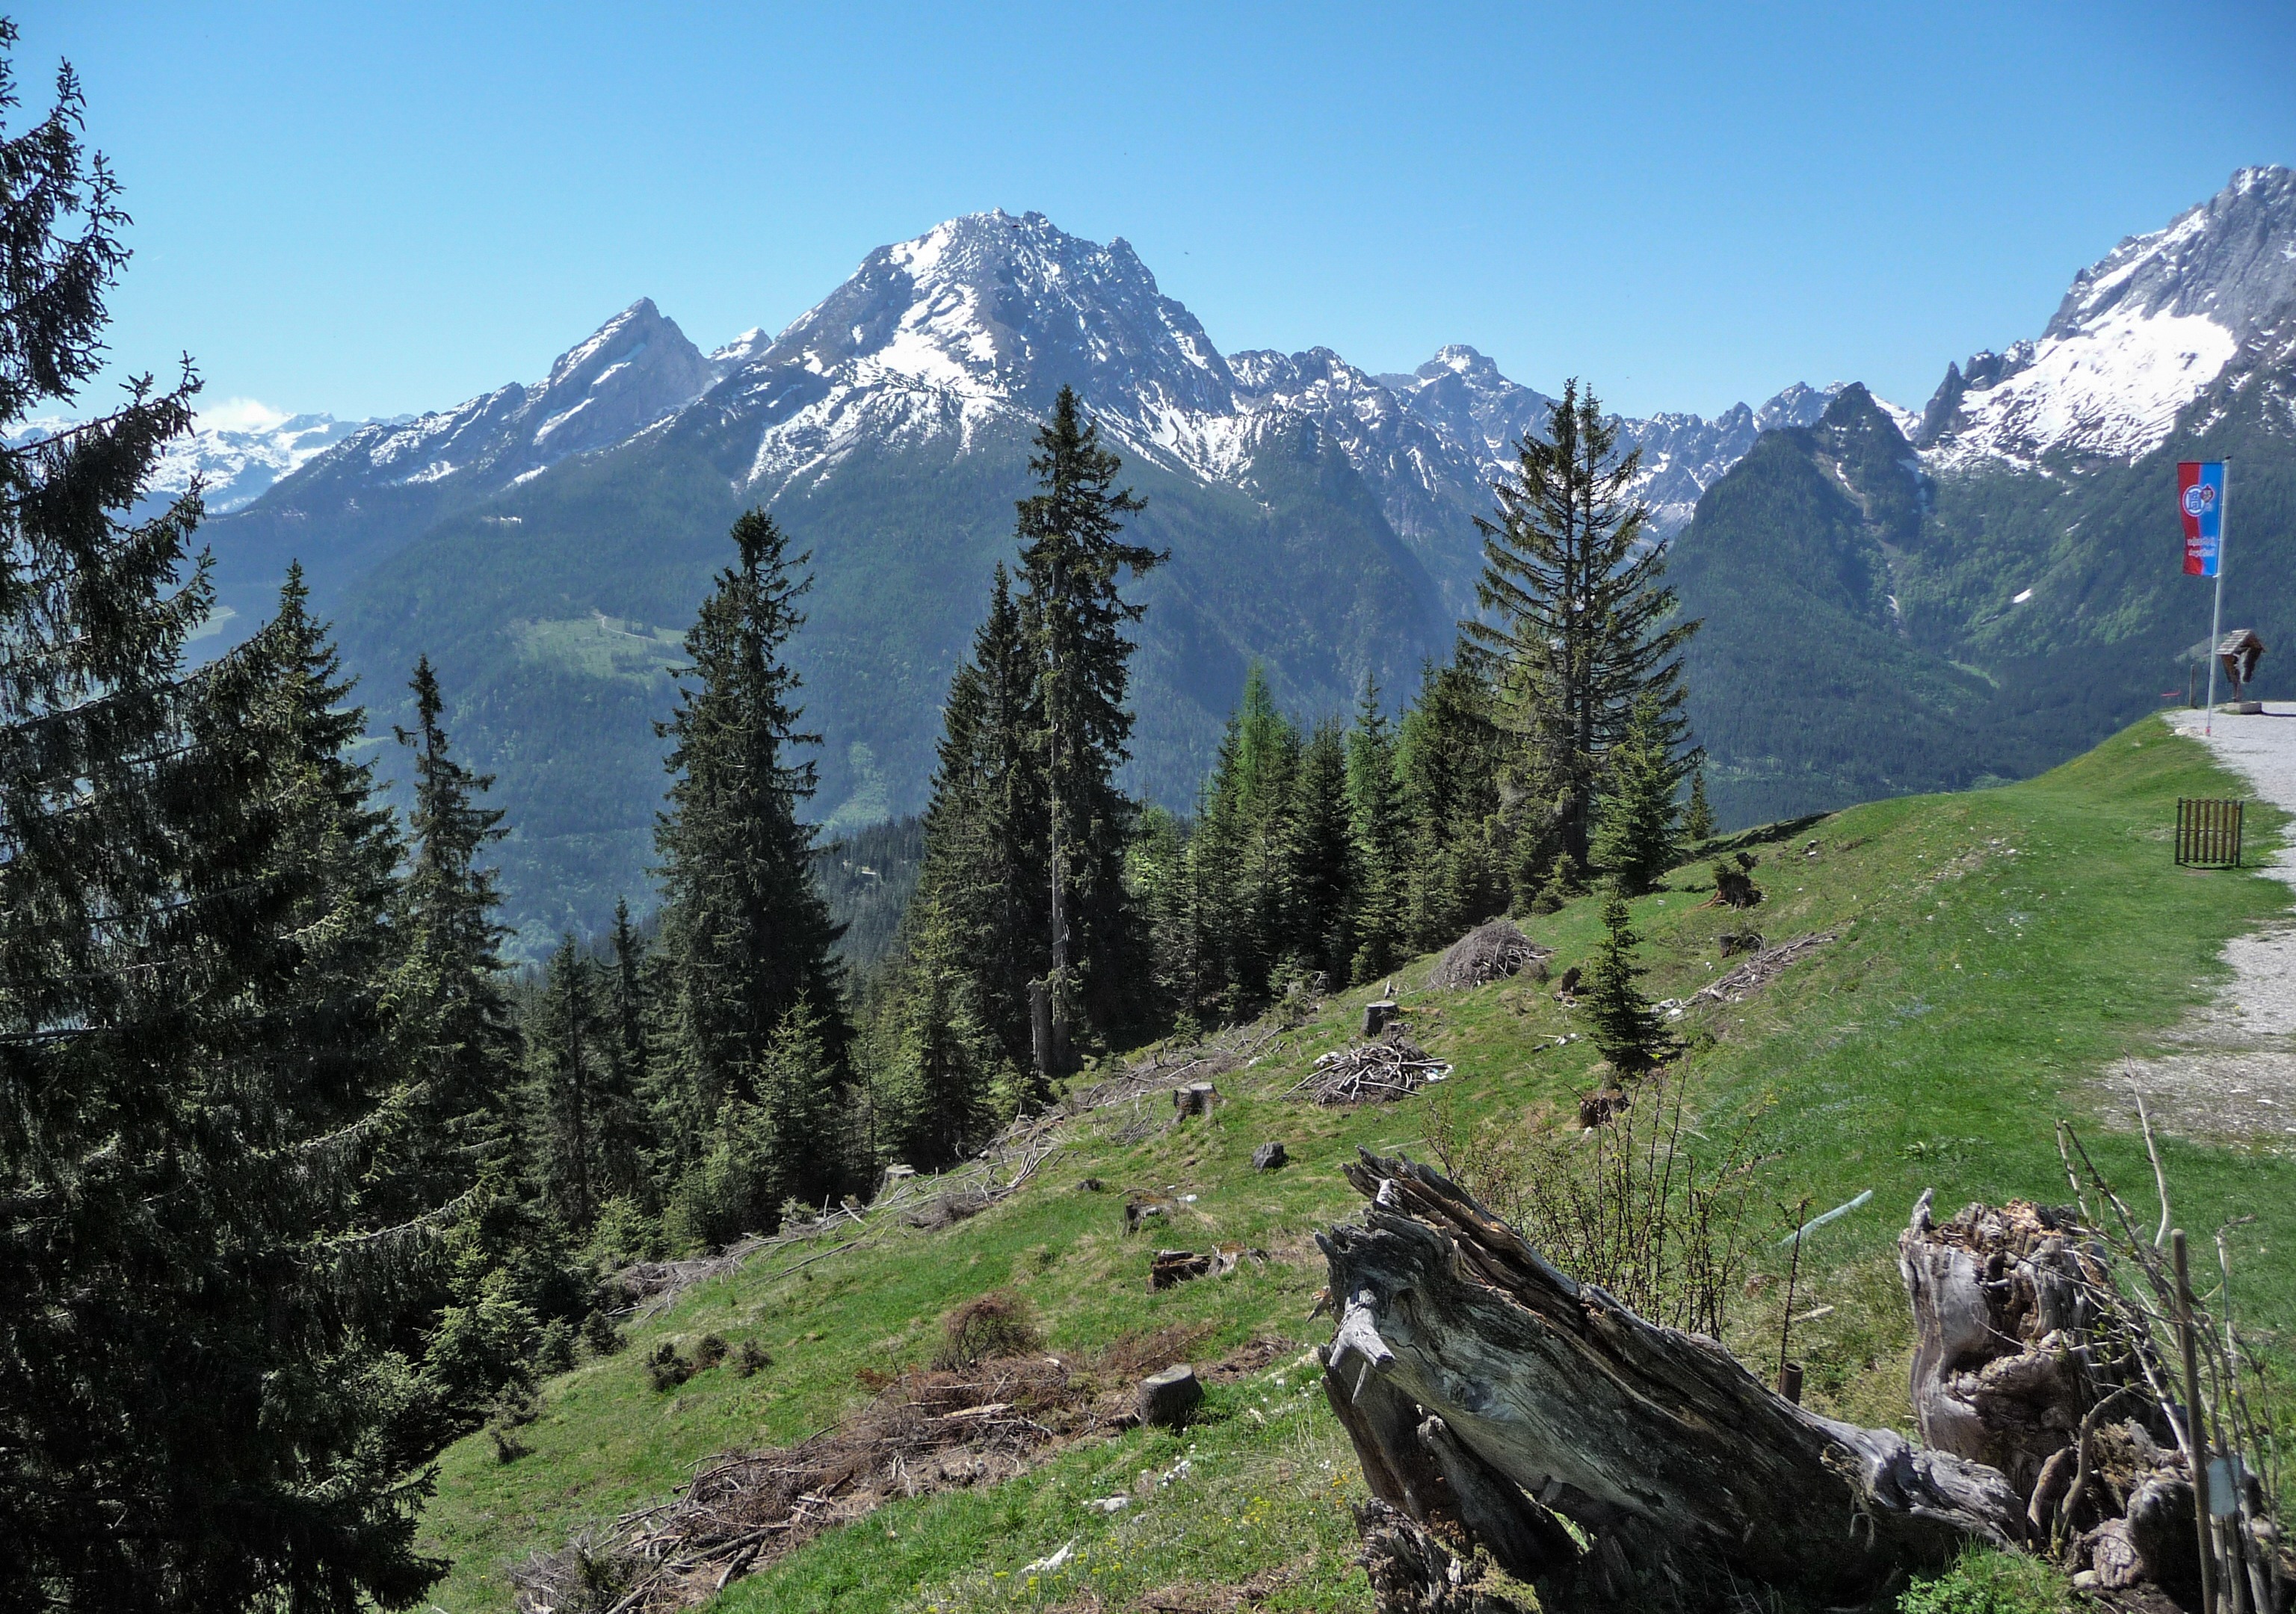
[1269,1157]
[1167,1268]
[1197,1098]
[1486,1391]
[1165,1398]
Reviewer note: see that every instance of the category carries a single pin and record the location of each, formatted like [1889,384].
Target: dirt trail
[2229,1070]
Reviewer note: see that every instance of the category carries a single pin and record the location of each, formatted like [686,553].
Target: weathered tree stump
[1167,1268]
[1413,1573]
[1165,1398]
[1487,1391]
[1197,1098]
[1269,1157]
[1377,1016]
[1142,1207]
[2020,1362]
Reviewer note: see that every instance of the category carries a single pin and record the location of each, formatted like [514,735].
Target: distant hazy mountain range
[546,544]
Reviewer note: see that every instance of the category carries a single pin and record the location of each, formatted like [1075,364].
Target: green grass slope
[1999,953]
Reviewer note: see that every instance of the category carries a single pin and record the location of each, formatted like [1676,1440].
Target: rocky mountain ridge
[2140,335]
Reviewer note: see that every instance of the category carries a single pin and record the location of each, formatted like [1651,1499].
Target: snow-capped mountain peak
[633,370]
[996,305]
[2141,333]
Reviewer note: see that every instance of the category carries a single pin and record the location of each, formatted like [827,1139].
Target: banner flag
[2200,502]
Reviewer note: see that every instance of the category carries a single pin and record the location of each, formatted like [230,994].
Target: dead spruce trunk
[1487,1393]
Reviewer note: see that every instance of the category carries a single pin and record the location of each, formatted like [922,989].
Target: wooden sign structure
[2238,653]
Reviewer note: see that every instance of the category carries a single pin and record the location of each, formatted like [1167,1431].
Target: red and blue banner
[2200,502]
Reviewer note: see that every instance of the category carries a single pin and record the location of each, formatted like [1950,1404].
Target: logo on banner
[2199,499]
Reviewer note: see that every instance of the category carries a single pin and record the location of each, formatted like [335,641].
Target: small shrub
[516,1407]
[751,1357]
[998,1324]
[666,1368]
[709,1352]
[625,1236]
[1987,1581]
[1652,1205]
[508,1446]
[600,1333]
[553,1349]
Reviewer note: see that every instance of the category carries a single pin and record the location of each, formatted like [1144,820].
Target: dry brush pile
[959,1423]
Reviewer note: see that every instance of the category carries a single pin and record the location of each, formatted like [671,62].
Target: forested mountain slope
[546,544]
[2006,588]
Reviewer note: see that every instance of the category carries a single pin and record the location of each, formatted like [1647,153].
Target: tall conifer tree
[1375,817]
[581,1120]
[189,1419]
[1321,870]
[746,935]
[1449,754]
[985,874]
[1577,623]
[453,1014]
[1073,561]
[1635,839]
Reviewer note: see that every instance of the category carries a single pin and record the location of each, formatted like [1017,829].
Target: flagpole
[2215,615]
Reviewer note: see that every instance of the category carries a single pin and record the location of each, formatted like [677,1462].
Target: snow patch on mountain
[634,370]
[2142,333]
[236,449]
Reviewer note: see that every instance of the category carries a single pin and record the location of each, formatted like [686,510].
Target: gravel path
[2230,1070]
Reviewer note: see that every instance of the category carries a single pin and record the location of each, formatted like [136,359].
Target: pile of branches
[1757,971]
[1378,1072]
[996,1176]
[648,1287]
[1011,1159]
[1489,953]
[923,1432]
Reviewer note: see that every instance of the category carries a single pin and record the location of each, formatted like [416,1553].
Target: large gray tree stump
[1487,1393]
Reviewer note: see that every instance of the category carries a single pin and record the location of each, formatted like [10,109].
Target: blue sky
[373,208]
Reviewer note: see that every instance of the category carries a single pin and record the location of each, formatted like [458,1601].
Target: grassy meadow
[1998,953]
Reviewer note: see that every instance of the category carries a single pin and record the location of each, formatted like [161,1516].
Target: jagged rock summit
[2142,333]
[634,370]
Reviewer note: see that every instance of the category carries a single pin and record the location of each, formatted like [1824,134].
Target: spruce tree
[1578,625]
[945,1063]
[1321,874]
[1449,756]
[571,1053]
[1375,816]
[631,1155]
[1072,561]
[191,1416]
[1627,1028]
[1635,841]
[333,1018]
[745,935]
[984,871]
[1697,817]
[1157,870]
[452,1015]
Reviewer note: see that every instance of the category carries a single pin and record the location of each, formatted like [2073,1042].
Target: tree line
[1549,752]
[300,1180]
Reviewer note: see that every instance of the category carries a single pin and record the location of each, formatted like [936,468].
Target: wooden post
[2196,1428]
